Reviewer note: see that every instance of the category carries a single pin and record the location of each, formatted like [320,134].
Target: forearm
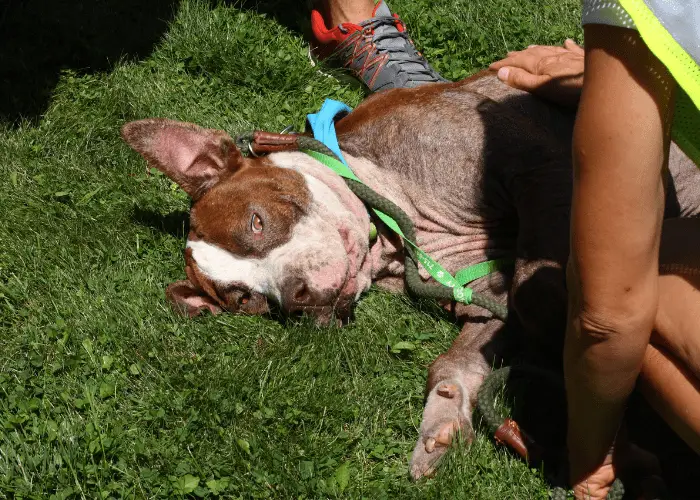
[620,147]
[601,363]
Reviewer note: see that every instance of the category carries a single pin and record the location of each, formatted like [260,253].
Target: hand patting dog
[483,170]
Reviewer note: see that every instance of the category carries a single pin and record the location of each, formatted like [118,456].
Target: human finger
[572,46]
[529,58]
[544,48]
[522,79]
[597,485]
[526,59]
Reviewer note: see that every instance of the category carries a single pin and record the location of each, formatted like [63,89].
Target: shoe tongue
[381,9]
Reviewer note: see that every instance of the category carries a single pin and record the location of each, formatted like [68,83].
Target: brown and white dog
[483,170]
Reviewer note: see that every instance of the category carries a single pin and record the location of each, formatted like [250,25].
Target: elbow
[601,314]
[628,326]
[608,342]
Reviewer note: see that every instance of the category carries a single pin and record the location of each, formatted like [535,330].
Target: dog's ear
[194,157]
[189,300]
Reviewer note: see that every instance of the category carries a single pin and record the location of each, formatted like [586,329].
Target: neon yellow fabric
[686,121]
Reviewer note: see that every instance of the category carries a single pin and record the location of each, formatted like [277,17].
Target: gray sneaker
[377,51]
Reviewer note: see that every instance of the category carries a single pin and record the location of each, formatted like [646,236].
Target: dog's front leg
[454,379]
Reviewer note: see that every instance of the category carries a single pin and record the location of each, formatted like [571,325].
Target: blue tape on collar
[323,124]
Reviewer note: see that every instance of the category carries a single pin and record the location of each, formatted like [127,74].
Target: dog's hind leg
[454,379]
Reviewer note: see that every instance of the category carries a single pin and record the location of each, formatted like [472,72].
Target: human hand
[596,485]
[553,73]
[639,469]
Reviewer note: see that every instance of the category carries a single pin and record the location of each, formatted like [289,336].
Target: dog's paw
[446,413]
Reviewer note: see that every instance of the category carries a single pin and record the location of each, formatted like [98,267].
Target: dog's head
[280,228]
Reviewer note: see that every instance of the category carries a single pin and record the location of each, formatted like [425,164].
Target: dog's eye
[256,224]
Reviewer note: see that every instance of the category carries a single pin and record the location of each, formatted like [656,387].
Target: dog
[484,172]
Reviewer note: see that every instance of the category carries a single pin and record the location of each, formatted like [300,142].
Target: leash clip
[250,150]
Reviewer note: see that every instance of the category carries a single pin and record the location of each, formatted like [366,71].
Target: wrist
[583,463]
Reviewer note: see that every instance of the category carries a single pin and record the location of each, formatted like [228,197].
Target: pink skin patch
[350,288]
[304,164]
[345,211]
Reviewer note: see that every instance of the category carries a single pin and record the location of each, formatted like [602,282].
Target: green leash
[457,284]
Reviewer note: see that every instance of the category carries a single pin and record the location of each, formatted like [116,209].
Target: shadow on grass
[292,14]
[39,39]
[176,224]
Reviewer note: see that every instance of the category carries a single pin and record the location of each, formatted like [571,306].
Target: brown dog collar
[270,142]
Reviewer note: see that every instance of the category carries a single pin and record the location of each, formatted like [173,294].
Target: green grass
[104,392]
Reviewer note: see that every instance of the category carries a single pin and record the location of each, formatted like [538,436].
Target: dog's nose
[299,293]
[298,296]
[296,292]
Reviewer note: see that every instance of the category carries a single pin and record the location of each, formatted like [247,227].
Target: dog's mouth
[339,314]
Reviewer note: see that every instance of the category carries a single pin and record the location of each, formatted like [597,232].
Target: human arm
[621,143]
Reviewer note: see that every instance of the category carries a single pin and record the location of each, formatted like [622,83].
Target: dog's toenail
[430,445]
[447,390]
[445,434]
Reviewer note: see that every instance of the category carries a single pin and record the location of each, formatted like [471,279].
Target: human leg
[677,325]
[673,392]
[337,12]
[670,375]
